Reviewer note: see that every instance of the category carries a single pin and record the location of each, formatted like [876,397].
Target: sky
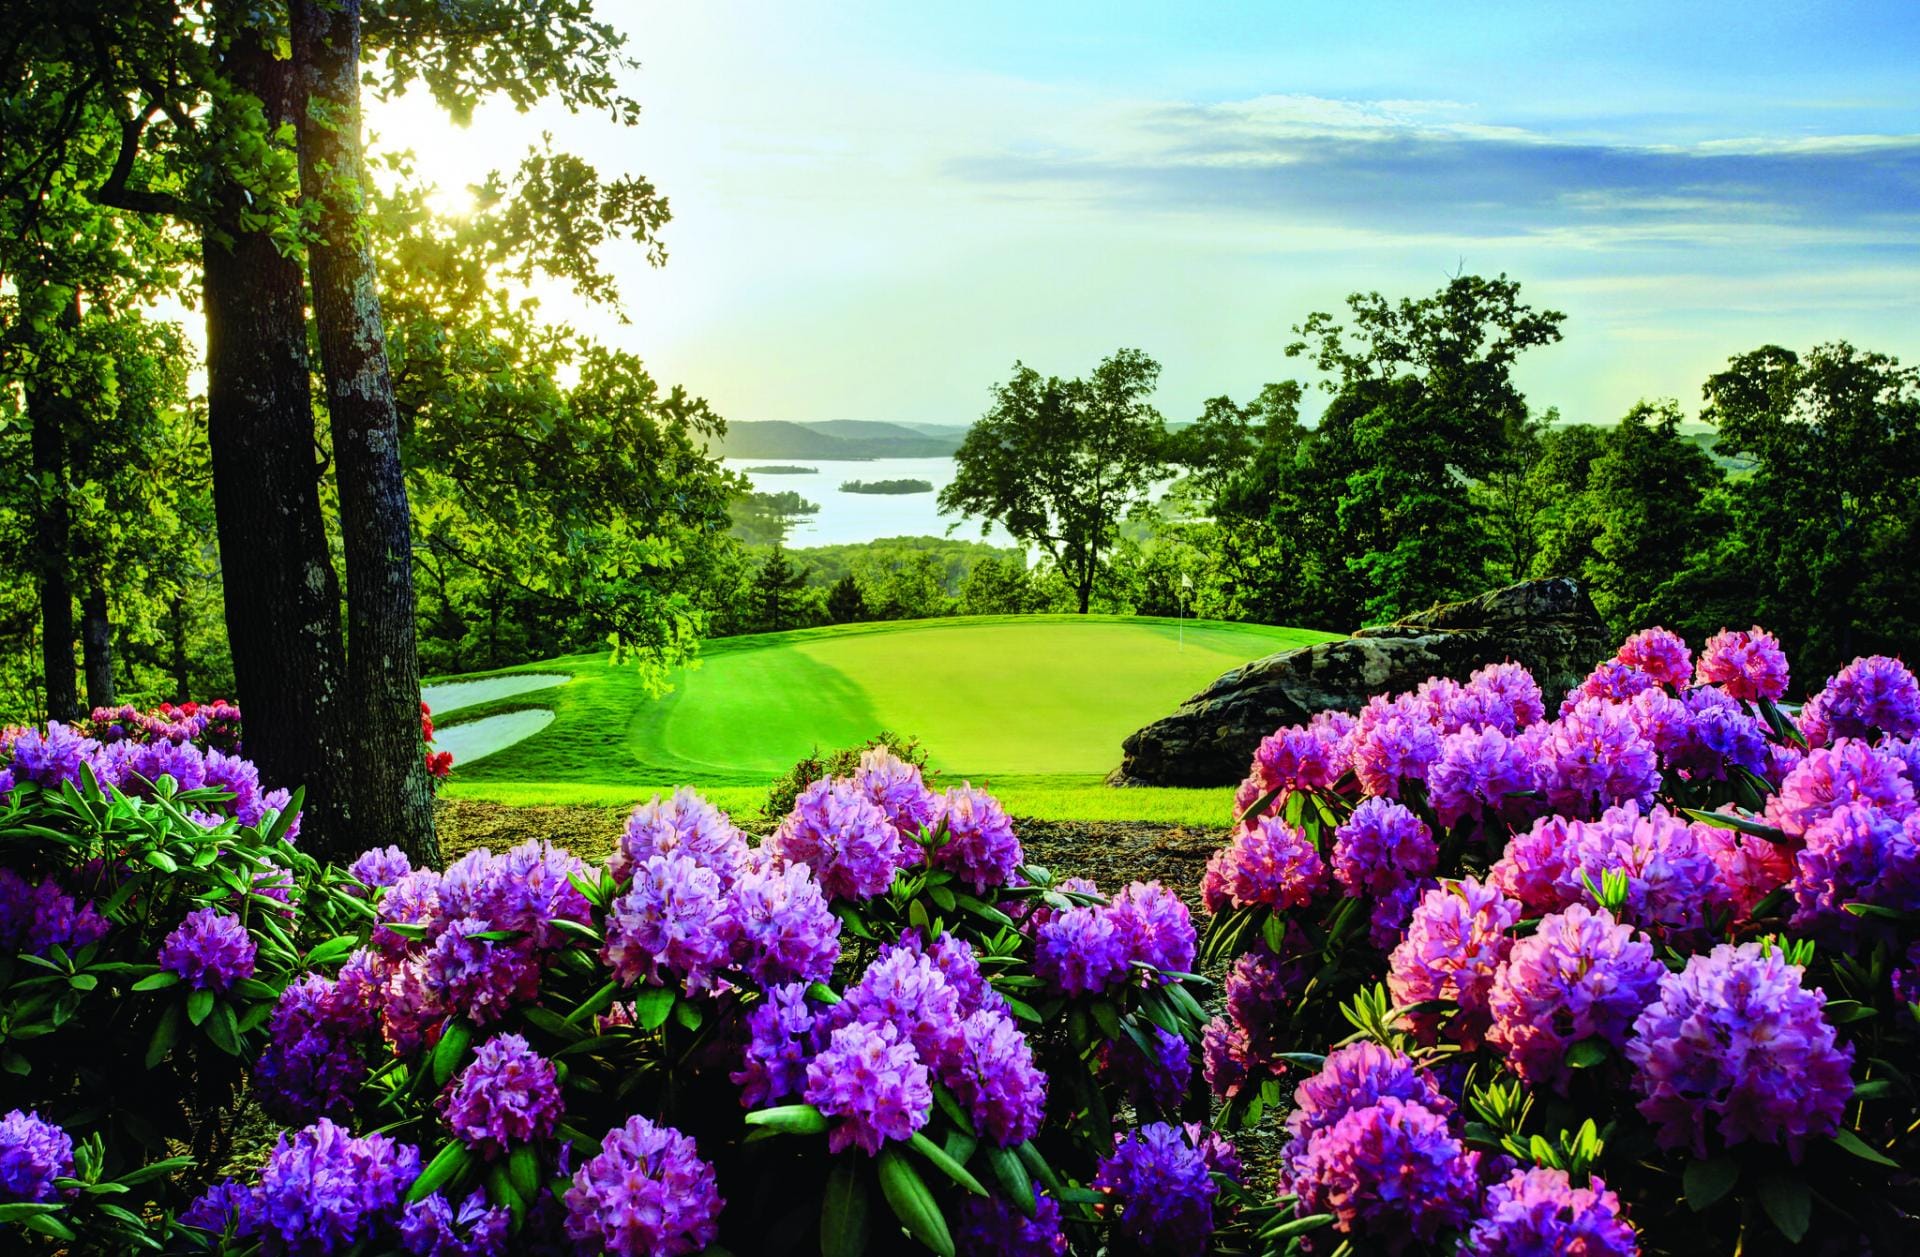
[879,208]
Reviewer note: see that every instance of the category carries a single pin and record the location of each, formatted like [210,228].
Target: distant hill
[839,438]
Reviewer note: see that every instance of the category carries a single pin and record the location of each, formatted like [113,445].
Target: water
[477,739]
[850,518]
[450,696]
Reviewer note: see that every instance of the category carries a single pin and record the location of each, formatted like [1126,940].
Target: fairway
[1036,701]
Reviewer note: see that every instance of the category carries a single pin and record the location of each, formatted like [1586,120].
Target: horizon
[879,211]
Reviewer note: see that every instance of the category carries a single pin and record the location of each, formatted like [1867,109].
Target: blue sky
[878,207]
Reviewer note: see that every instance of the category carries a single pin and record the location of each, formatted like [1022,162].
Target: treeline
[1429,477]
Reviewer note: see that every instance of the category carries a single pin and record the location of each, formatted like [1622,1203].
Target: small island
[781,469]
[886,486]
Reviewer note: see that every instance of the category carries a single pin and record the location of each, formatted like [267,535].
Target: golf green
[1038,699]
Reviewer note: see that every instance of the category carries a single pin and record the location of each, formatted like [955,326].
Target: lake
[846,518]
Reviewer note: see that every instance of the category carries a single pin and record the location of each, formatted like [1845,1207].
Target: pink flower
[1748,665]
[1455,942]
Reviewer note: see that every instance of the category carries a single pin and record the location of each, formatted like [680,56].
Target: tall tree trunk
[383,662]
[48,411]
[282,597]
[96,645]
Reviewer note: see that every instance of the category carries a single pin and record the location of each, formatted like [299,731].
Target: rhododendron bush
[879,1027]
[1630,970]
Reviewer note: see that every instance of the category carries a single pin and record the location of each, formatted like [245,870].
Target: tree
[383,662]
[1827,525]
[1646,487]
[844,603]
[777,588]
[1511,500]
[1058,462]
[1423,400]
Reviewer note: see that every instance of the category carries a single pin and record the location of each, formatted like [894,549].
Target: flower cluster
[1164,1189]
[647,1193]
[210,950]
[33,1153]
[1090,948]
[508,1095]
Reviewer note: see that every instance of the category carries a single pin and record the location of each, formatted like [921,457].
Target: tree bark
[48,411]
[383,662]
[96,645]
[282,597]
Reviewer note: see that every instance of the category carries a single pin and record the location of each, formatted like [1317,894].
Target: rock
[1550,626]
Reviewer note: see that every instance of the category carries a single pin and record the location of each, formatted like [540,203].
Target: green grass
[1035,706]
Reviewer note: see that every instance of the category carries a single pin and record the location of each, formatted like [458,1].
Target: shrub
[153,906]
[1654,949]
[841,763]
[881,1019]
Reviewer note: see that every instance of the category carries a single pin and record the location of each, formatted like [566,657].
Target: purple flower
[1353,1077]
[1856,854]
[36,917]
[413,900]
[901,791]
[324,1190]
[1611,681]
[1505,697]
[229,1206]
[685,824]
[1080,951]
[211,950]
[1870,697]
[1154,927]
[1271,862]
[782,928]
[1661,654]
[994,1228]
[1674,886]
[872,1083]
[956,962]
[1153,1081]
[1388,1171]
[1454,943]
[1751,867]
[312,1063]
[380,867]
[1579,976]
[1383,847]
[843,836]
[1747,665]
[1313,755]
[1393,742]
[507,1095]
[528,889]
[239,778]
[904,988]
[1830,777]
[33,1153]
[646,1194]
[54,755]
[1259,987]
[1592,758]
[783,1034]
[1163,1189]
[482,978]
[1220,1155]
[1225,1057]
[980,849]
[1735,1045]
[434,1228]
[995,1078]
[1719,734]
[1905,980]
[1479,774]
[1539,1213]
[675,921]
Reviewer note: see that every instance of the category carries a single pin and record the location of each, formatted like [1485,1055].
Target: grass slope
[1034,705]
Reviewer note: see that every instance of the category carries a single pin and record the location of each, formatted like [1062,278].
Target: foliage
[841,763]
[886,486]
[1525,929]
[1058,462]
[108,1031]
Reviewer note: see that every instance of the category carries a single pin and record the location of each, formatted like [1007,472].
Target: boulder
[1550,626]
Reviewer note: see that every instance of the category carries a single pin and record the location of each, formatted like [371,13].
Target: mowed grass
[1033,706]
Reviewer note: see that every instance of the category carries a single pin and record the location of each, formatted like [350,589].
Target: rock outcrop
[1550,626]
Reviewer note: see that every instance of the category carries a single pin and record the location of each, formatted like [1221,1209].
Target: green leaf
[1273,931]
[1587,1053]
[451,1052]
[449,1164]
[942,898]
[157,981]
[162,861]
[688,1014]
[652,1006]
[1862,1149]
[790,1119]
[1788,1202]
[27,1209]
[938,1158]
[166,1032]
[199,1004]
[337,948]
[1705,1182]
[1107,1019]
[843,1212]
[1296,1226]
[224,1030]
[1015,1183]
[523,1169]
[46,1223]
[911,1202]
